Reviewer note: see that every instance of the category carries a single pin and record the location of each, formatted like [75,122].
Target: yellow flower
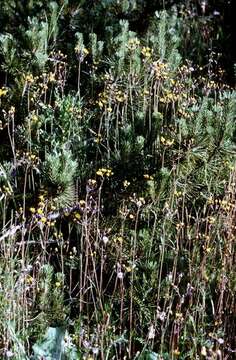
[176,352]
[29,279]
[146,51]
[212,219]
[77,216]
[104,171]
[82,51]
[109,172]
[133,43]
[128,268]
[179,315]
[51,77]
[85,51]
[7,190]
[92,182]
[203,351]
[118,239]
[100,104]
[29,78]
[78,49]
[32,210]
[35,118]
[3,92]
[148,177]
[98,140]
[99,173]
[126,183]
[163,140]
[170,142]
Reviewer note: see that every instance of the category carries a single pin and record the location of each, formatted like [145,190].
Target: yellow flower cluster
[118,239]
[12,111]
[160,70]
[184,114]
[184,69]
[76,216]
[29,78]
[140,201]
[120,96]
[6,190]
[40,211]
[104,172]
[28,157]
[223,204]
[170,97]
[34,118]
[57,55]
[51,77]
[211,219]
[110,96]
[178,193]
[166,142]
[126,183]
[92,182]
[3,91]
[146,52]
[179,225]
[102,99]
[148,177]
[226,205]
[133,43]
[82,203]
[81,51]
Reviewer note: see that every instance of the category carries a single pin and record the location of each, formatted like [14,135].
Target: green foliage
[59,170]
[55,345]
[8,50]
[117,182]
[148,355]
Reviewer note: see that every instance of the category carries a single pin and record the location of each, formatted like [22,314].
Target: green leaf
[51,346]
[56,345]
[149,355]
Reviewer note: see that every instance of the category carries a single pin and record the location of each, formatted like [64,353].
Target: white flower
[95,350]
[86,344]
[151,332]
[120,275]
[162,316]
[105,239]
[9,354]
